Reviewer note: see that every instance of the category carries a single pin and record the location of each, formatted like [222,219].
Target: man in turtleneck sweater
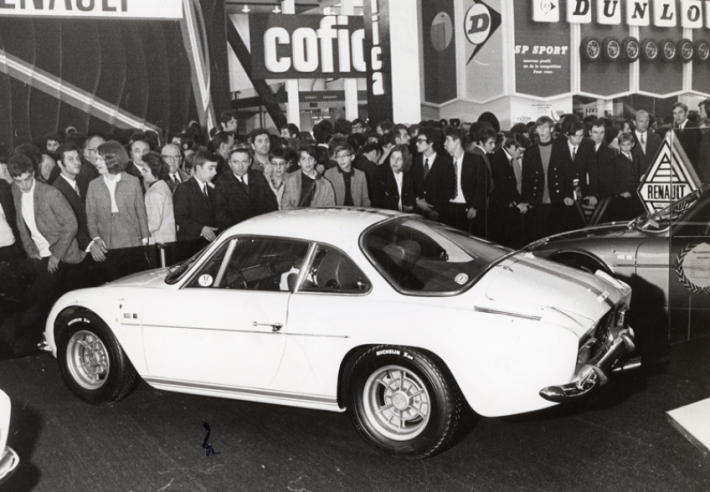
[545,186]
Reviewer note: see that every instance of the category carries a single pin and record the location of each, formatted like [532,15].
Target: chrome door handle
[274,326]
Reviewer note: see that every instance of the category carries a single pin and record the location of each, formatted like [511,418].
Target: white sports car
[396,319]
[8,458]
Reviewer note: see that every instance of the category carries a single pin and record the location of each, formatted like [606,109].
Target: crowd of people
[82,209]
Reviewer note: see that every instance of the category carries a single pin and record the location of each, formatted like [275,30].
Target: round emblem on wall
[649,50]
[693,268]
[611,49]
[590,49]
[630,49]
[702,50]
[477,24]
[668,50]
[685,50]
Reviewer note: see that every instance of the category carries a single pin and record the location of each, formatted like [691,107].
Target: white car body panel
[511,334]
[9,460]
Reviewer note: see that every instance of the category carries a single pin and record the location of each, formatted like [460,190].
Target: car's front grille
[597,341]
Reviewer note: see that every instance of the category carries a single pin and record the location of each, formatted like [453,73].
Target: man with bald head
[173,157]
[646,142]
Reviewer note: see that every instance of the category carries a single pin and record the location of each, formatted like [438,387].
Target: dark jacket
[626,174]
[534,181]
[601,172]
[384,189]
[438,187]
[505,193]
[193,210]
[653,143]
[76,203]
[690,140]
[236,202]
[475,180]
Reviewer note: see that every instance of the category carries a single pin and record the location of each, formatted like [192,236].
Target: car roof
[340,226]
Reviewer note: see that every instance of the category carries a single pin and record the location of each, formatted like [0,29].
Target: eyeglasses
[421,140]
[172,157]
[92,150]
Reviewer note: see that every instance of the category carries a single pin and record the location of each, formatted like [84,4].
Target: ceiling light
[276,10]
[246,9]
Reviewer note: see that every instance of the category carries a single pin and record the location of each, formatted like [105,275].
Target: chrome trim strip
[245,391]
[506,313]
[174,327]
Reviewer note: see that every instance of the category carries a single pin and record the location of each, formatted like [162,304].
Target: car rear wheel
[403,402]
[92,362]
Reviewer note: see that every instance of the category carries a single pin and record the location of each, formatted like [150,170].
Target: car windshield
[662,219]
[176,271]
[419,256]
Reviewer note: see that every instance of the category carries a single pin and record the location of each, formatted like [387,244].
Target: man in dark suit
[687,132]
[433,174]
[173,157]
[545,185]
[468,206]
[507,208]
[646,142]
[140,147]
[600,171]
[69,163]
[241,192]
[194,205]
[392,186]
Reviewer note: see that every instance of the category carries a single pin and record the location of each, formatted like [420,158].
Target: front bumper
[8,464]
[593,373]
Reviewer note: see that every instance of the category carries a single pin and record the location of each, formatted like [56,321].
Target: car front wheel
[92,362]
[403,402]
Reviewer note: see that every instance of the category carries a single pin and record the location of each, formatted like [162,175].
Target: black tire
[630,49]
[390,384]
[611,49]
[649,50]
[701,50]
[590,49]
[686,50]
[91,361]
[667,50]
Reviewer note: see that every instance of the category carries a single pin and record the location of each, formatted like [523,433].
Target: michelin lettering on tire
[403,353]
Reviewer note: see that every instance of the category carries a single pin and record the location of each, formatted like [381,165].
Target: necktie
[175,179]
[643,142]
[426,167]
[456,178]
[244,184]
[206,193]
[574,152]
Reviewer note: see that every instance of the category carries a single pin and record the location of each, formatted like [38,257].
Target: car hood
[532,287]
[149,278]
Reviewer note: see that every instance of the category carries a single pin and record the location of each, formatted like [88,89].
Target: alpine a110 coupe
[397,320]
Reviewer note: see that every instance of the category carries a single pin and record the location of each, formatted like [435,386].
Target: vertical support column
[635,68]
[293,110]
[403,33]
[351,109]
[574,59]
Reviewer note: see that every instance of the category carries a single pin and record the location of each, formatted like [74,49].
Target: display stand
[693,423]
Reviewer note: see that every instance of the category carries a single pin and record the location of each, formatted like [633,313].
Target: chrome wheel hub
[87,360]
[397,402]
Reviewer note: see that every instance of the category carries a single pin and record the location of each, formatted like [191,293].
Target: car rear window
[420,256]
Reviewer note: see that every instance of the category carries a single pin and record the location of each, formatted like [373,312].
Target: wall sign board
[110,9]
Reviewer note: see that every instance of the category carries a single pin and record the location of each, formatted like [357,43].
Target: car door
[224,328]
[689,276]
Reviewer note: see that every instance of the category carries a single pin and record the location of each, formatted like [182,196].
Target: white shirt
[71,182]
[572,149]
[28,213]
[111,184]
[243,179]
[399,179]
[176,177]
[458,164]
[7,238]
[643,139]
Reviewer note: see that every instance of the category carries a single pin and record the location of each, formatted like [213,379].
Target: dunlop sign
[112,9]
[307,46]
[670,177]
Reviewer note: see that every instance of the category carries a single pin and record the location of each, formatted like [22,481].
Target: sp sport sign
[307,46]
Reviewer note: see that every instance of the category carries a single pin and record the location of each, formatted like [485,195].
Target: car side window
[334,272]
[254,263]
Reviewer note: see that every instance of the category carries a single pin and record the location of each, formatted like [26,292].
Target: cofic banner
[306,46]
[112,9]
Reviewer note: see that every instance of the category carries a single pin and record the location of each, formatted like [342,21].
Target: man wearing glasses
[434,176]
[350,184]
[173,157]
